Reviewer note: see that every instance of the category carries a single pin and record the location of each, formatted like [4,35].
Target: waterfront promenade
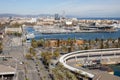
[108,56]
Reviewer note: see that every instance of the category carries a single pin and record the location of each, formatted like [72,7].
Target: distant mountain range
[39,15]
[68,16]
[20,15]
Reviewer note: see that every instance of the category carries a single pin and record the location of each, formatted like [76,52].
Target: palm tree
[68,41]
[58,43]
[46,43]
[1,47]
[101,44]
[26,79]
[70,76]
[46,58]
[32,52]
[86,47]
[34,43]
[56,54]
[119,40]
[58,75]
[71,45]
[107,44]
[118,43]
[61,73]
[90,42]
[96,40]
[40,43]
[64,49]
[28,56]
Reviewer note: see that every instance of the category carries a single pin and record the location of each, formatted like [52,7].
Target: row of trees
[48,56]
[101,44]
[61,73]
[35,43]
[16,25]
[14,34]
[65,45]
[70,45]
[46,43]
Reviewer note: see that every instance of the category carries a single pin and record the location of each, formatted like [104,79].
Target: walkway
[90,54]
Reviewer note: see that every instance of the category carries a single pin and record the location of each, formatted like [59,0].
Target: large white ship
[116,26]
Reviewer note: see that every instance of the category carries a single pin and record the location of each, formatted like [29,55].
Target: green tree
[56,54]
[119,40]
[61,73]
[1,48]
[96,40]
[17,34]
[90,42]
[58,43]
[46,57]
[34,43]
[107,44]
[28,56]
[16,25]
[40,43]
[32,51]
[68,41]
[101,44]
[64,49]
[70,76]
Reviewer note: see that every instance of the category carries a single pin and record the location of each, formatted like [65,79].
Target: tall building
[63,15]
[57,17]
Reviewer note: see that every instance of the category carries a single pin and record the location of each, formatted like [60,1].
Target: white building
[12,30]
[32,20]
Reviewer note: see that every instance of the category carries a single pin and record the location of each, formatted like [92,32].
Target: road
[30,69]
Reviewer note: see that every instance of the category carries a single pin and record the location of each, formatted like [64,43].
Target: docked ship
[116,26]
[99,29]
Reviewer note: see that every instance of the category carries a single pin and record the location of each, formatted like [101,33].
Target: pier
[106,56]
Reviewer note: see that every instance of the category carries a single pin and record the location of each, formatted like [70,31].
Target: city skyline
[80,8]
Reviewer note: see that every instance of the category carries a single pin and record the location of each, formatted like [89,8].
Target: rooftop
[5,70]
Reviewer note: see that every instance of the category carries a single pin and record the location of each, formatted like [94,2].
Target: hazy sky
[82,8]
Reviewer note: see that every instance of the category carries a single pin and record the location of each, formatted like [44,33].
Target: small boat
[30,36]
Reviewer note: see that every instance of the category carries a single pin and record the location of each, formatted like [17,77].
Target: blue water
[116,69]
[85,36]
[107,18]
[29,30]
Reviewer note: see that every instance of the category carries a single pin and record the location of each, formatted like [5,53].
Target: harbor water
[84,36]
[116,69]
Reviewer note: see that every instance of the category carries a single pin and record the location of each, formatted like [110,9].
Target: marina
[60,40]
[83,35]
